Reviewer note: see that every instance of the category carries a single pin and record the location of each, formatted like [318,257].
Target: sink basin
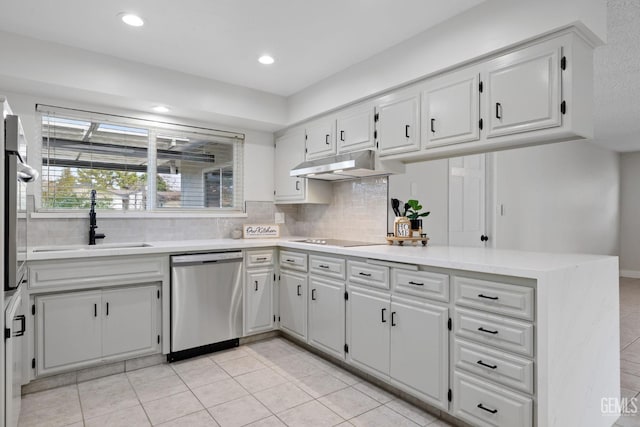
[91,248]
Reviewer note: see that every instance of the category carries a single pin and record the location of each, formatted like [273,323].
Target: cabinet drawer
[497,331]
[512,371]
[327,266]
[484,404]
[421,284]
[501,298]
[376,276]
[293,260]
[259,258]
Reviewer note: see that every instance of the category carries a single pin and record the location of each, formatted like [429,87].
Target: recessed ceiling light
[266,60]
[131,19]
[161,109]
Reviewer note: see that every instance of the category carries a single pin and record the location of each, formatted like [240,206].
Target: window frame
[155,129]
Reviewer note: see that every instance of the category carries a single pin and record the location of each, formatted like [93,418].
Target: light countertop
[486,260]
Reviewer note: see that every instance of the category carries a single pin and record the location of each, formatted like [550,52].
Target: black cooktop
[336,242]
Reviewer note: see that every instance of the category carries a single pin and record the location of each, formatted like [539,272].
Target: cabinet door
[326,315]
[320,139]
[130,321]
[523,90]
[369,320]
[289,153]
[398,125]
[293,303]
[420,349]
[258,297]
[451,110]
[68,331]
[354,129]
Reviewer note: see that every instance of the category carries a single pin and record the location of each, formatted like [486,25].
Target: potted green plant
[412,211]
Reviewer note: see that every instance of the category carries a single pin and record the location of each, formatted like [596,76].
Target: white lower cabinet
[368,329]
[130,324]
[293,303]
[258,300]
[484,404]
[327,315]
[81,328]
[68,330]
[419,350]
[403,340]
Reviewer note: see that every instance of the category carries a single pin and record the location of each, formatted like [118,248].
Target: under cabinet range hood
[347,166]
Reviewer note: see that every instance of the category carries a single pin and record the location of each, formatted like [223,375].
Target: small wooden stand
[391,239]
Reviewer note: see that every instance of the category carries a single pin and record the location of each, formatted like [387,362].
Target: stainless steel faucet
[93,222]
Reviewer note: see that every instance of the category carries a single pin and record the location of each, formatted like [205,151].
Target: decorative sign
[402,227]
[260,231]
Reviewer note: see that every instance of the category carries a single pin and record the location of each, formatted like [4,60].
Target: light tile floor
[630,345]
[267,383]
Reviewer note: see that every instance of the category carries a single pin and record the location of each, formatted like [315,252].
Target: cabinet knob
[484,238]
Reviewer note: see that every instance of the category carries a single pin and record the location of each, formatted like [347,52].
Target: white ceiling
[222,39]
[617,79]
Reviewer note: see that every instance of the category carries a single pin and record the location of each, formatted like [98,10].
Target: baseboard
[631,274]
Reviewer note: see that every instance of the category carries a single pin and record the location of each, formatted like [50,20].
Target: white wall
[258,145]
[493,25]
[428,183]
[630,214]
[558,198]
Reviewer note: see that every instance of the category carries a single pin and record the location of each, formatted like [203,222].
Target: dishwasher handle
[214,257]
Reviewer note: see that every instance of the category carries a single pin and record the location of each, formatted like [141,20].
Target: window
[137,165]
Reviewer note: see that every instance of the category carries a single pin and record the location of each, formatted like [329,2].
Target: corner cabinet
[78,329]
[397,119]
[289,153]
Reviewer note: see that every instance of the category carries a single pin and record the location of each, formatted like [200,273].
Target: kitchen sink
[91,248]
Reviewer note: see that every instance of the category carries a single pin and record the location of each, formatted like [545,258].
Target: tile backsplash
[358,211]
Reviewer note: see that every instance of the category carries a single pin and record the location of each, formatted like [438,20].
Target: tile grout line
[138,397]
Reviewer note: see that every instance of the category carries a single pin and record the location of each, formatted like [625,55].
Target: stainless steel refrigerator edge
[206,301]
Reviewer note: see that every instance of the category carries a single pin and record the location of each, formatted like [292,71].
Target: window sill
[133,215]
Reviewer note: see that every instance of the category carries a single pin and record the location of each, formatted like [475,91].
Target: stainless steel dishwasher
[206,303]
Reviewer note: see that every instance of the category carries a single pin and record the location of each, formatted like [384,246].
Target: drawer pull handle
[484,408]
[382,313]
[261,258]
[256,282]
[480,362]
[481,329]
[298,291]
[393,318]
[313,294]
[323,266]
[416,283]
[290,260]
[365,274]
[486,297]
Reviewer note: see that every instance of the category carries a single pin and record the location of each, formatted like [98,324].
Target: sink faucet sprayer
[92,221]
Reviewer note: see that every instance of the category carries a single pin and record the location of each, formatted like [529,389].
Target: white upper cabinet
[397,123]
[451,109]
[524,90]
[289,153]
[354,129]
[320,139]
